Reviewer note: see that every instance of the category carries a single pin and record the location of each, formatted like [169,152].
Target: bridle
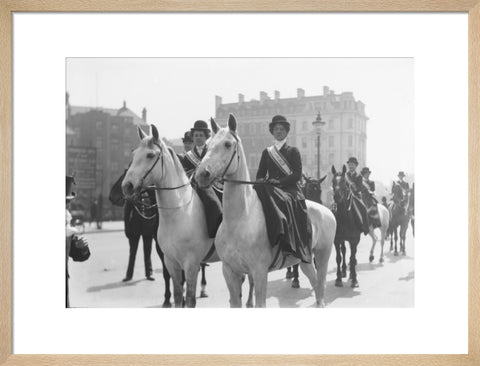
[154,187]
[222,178]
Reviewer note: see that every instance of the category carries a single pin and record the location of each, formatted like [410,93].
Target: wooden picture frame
[8,7]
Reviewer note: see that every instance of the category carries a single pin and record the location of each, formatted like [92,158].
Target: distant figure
[94,214]
[69,232]
[187,141]
[384,201]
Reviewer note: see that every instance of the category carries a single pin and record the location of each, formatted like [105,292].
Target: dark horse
[312,190]
[348,228]
[399,217]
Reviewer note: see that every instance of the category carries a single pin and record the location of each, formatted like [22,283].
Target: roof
[124,112]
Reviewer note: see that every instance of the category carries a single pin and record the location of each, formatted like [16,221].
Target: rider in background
[210,198]
[368,196]
[355,183]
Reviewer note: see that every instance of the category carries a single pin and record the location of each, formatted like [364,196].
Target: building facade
[343,135]
[99,147]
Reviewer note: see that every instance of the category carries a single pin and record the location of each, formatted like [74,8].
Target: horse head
[147,158]
[339,185]
[223,155]
[313,189]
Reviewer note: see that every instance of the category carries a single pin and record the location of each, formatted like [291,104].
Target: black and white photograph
[240,182]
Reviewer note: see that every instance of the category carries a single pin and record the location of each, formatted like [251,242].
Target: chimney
[325,90]
[263,96]
[124,105]
[277,95]
[218,101]
[144,114]
[241,98]
[300,93]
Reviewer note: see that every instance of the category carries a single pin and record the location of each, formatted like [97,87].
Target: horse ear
[232,123]
[334,171]
[322,179]
[214,125]
[141,134]
[154,132]
[344,169]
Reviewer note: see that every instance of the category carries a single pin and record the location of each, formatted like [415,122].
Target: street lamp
[317,125]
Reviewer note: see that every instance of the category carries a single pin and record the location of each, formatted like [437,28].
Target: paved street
[98,281]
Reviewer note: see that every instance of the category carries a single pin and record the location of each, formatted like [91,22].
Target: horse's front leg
[191,276]
[175,271]
[234,284]
[250,292]
[166,277]
[260,278]
[344,259]
[374,242]
[203,282]
[353,262]
[338,258]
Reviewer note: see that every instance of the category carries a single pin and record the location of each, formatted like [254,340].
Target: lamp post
[317,125]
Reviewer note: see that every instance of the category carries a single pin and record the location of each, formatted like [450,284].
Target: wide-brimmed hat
[279,119]
[69,183]
[401,174]
[365,170]
[187,137]
[200,126]
[352,160]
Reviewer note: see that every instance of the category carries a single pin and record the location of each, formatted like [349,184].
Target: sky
[178,91]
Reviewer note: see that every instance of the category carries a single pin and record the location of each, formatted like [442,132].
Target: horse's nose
[128,188]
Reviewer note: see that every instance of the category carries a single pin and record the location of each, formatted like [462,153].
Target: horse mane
[171,158]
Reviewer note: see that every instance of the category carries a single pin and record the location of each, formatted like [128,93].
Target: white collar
[279,144]
[201,148]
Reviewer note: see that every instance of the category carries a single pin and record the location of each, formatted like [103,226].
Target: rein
[238,181]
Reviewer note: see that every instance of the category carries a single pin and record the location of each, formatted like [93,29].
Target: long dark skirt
[287,221]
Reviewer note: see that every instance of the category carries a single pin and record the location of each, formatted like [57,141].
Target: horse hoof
[249,305]
[344,273]
[295,283]
[289,275]
[338,282]
[371,258]
[404,253]
[381,260]
[203,294]
[166,305]
[354,283]
[395,254]
[320,304]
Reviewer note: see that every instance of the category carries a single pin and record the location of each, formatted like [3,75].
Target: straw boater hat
[352,160]
[279,120]
[69,194]
[401,174]
[187,137]
[201,126]
[365,171]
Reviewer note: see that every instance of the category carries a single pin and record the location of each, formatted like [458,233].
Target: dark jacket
[289,183]
[356,179]
[187,164]
[139,219]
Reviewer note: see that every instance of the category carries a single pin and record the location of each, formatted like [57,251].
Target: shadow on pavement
[408,277]
[333,293]
[287,296]
[112,286]
[393,259]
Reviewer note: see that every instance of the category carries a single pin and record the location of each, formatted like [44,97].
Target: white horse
[385,221]
[182,233]
[242,242]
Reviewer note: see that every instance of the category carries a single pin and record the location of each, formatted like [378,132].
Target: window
[304,159]
[304,125]
[350,140]
[304,142]
[331,141]
[350,124]
[330,124]
[331,158]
